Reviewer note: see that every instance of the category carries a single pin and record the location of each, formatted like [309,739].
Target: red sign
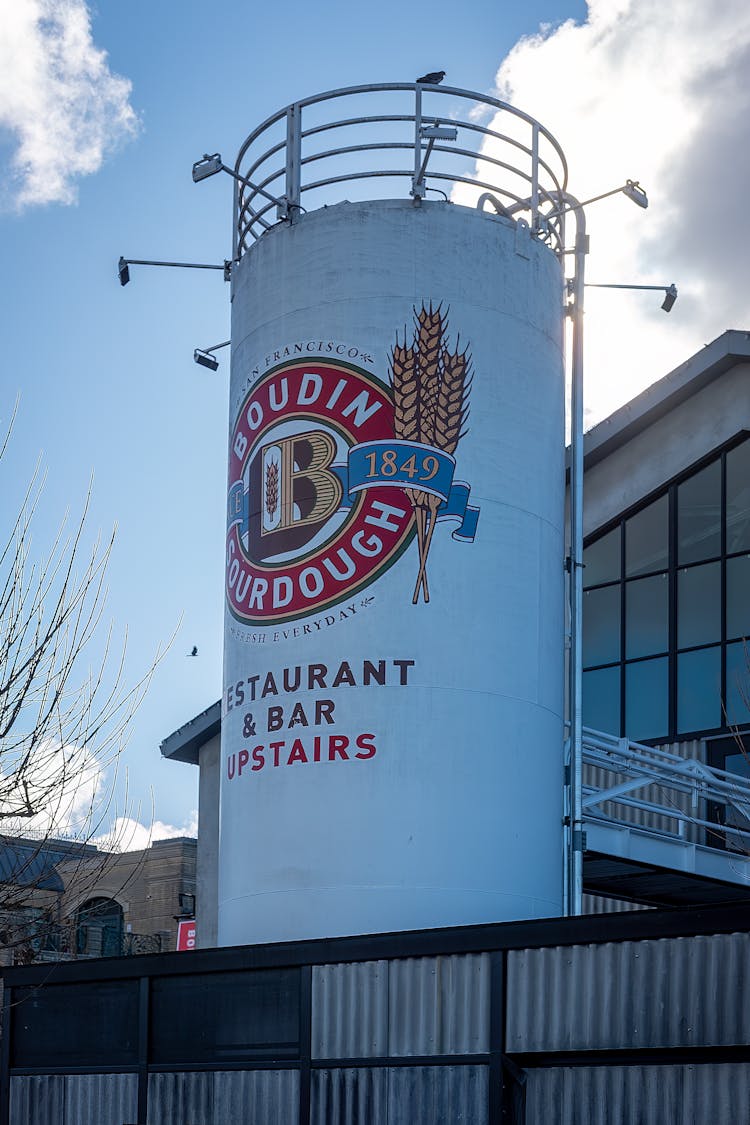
[186,935]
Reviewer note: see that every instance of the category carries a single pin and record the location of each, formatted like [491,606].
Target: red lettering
[366,742]
[297,753]
[337,744]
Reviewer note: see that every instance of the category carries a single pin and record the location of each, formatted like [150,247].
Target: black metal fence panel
[80,1024]
[225,1017]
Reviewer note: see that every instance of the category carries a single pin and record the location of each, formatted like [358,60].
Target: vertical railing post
[236,219]
[293,187]
[534,176]
[416,188]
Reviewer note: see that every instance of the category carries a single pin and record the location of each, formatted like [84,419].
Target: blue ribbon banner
[408,464]
[390,464]
[237,506]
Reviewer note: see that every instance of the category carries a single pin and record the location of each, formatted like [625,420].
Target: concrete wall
[668,447]
[208,850]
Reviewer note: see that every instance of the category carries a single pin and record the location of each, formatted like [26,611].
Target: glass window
[647,539]
[601,699]
[699,690]
[646,699]
[699,605]
[699,516]
[601,625]
[667,606]
[99,928]
[738,684]
[737,763]
[738,596]
[250,1014]
[738,498]
[602,559]
[647,616]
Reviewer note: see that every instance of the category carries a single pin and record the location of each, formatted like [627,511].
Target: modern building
[667,561]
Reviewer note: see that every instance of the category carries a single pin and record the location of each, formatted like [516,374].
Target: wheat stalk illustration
[430,396]
[272,488]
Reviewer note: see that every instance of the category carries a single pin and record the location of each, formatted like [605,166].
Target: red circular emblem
[297,541]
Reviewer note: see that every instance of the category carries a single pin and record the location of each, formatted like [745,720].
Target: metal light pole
[574,858]
[574,819]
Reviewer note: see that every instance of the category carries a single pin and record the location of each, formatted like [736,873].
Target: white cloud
[658,91]
[65,784]
[130,835]
[74,798]
[59,101]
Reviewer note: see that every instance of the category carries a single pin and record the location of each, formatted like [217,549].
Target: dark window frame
[669,490]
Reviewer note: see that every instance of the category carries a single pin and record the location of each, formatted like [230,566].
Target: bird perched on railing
[432,78]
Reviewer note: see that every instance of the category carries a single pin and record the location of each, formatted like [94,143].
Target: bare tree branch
[63,721]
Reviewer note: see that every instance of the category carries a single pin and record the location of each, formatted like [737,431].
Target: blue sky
[105,374]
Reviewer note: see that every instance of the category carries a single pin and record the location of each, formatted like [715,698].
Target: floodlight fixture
[669,298]
[205,356]
[634,191]
[430,133]
[669,291]
[207,166]
[205,359]
[438,133]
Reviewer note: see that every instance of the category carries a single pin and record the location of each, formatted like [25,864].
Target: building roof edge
[184,744]
[668,392]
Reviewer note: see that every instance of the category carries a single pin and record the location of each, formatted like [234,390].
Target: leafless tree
[63,720]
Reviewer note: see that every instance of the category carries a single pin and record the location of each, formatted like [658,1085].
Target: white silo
[392,724]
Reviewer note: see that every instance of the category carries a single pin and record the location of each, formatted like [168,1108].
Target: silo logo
[333,473]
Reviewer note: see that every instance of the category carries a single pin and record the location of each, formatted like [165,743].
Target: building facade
[63,900]
[667,558]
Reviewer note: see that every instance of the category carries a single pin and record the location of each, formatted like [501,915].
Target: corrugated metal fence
[539,1027]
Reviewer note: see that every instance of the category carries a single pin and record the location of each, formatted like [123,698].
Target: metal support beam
[574,903]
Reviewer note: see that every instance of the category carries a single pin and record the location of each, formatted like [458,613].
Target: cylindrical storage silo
[392,724]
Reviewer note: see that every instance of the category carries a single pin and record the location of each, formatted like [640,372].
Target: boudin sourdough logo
[333,473]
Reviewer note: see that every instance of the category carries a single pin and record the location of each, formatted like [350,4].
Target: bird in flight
[432,78]
[194,652]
